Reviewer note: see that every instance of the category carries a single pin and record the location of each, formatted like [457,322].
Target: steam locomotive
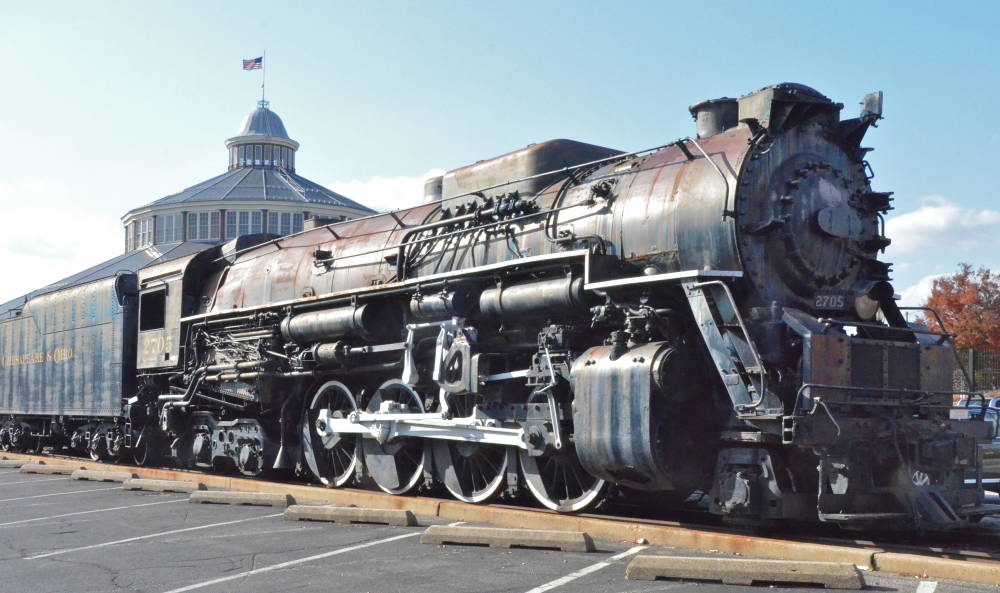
[558,322]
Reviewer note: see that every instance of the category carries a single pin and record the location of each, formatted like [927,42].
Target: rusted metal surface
[68,353]
[160,311]
[666,212]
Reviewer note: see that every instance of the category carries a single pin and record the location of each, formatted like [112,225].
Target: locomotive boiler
[569,320]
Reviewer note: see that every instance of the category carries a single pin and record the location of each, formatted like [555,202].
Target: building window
[130,236]
[203,226]
[243,156]
[284,223]
[267,154]
[169,228]
[142,233]
[243,222]
[257,149]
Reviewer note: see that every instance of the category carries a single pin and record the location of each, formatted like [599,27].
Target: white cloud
[940,223]
[916,295]
[386,193]
[48,233]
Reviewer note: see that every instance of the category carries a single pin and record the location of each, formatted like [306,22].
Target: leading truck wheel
[334,460]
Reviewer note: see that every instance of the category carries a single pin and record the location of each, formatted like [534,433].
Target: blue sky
[109,105]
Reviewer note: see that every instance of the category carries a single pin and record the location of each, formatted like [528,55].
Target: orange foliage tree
[969,304]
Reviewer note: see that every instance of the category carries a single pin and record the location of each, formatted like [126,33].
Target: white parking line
[927,587]
[587,570]
[131,506]
[273,567]
[2,484]
[150,536]
[61,493]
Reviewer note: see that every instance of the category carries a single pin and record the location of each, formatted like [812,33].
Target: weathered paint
[70,352]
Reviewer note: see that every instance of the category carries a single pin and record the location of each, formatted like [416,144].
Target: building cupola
[262,142]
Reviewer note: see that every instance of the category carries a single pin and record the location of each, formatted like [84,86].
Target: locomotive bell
[713,116]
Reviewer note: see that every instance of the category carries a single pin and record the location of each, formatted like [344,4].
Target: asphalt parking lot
[61,535]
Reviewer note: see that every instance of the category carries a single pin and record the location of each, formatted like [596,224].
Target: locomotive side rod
[386,427]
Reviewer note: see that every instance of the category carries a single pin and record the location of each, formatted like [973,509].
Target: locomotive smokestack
[714,115]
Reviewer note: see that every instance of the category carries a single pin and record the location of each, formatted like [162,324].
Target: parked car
[990,451]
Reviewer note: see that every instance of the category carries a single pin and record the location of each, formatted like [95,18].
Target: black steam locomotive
[562,320]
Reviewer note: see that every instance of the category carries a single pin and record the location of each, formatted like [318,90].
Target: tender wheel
[98,449]
[16,439]
[396,466]
[469,471]
[559,482]
[332,462]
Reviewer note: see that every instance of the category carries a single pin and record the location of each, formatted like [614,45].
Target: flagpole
[263,74]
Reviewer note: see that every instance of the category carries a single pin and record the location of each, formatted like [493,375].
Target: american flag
[254,64]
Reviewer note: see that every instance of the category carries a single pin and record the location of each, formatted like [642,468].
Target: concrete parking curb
[247,498]
[938,568]
[657,535]
[599,528]
[101,476]
[333,514]
[12,463]
[567,541]
[162,485]
[36,468]
[745,571]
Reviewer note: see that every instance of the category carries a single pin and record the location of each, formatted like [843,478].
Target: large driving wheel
[396,466]
[559,482]
[331,459]
[471,472]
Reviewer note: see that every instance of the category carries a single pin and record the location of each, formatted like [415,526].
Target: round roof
[263,122]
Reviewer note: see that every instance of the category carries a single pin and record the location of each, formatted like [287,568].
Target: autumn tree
[969,305]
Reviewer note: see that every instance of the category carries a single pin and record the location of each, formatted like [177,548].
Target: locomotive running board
[589,261]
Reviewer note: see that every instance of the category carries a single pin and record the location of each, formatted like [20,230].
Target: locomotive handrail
[401,285]
[830,320]
[944,330]
[444,222]
[759,400]
[797,407]
[623,155]
[725,205]
[665,277]
[613,157]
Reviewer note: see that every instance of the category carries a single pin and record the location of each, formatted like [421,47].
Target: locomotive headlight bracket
[865,306]
[867,296]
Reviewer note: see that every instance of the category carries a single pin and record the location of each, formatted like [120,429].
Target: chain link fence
[983,368]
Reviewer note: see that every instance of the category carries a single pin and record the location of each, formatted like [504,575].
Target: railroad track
[980,544]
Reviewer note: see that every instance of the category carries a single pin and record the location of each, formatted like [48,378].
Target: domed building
[259,193]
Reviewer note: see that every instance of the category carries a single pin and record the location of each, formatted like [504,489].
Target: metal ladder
[731,347]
